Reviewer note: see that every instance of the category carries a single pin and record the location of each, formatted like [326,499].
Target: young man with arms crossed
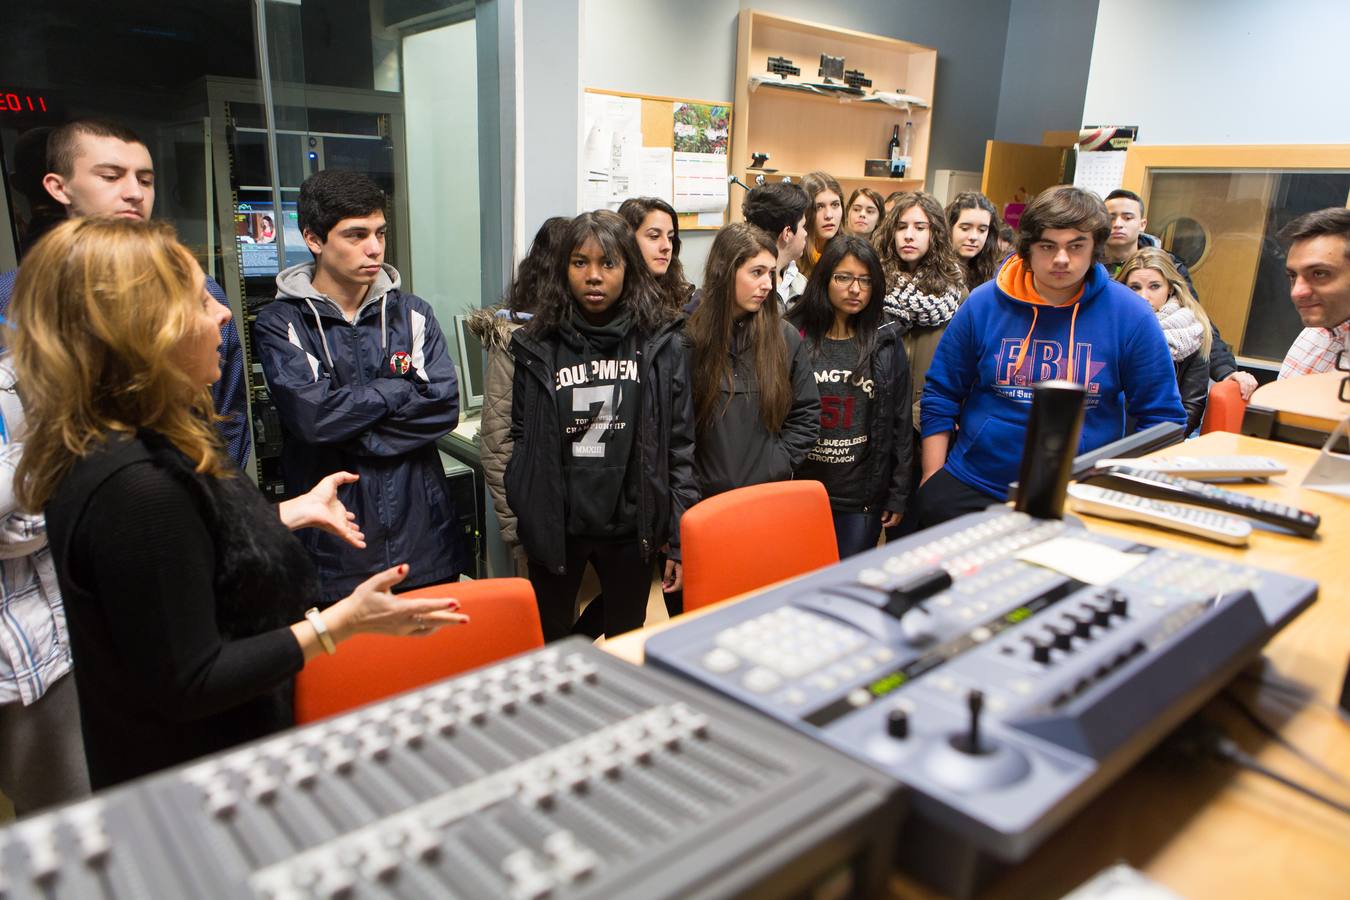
[1127,235]
[1318,266]
[362,383]
[1052,312]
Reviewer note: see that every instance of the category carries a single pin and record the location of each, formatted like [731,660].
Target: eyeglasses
[845,280]
[1343,365]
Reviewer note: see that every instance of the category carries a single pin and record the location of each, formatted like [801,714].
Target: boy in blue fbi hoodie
[1052,312]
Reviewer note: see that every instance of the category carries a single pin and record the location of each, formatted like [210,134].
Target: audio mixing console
[561,773]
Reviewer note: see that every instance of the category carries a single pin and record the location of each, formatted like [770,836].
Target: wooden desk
[1206,829]
[1309,401]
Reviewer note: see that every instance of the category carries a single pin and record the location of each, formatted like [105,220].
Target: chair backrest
[503,621]
[1225,408]
[754,536]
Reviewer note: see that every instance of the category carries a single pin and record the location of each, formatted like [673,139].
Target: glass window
[238,102]
[1225,225]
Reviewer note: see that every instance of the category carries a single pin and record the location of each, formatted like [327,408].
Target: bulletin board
[686,169]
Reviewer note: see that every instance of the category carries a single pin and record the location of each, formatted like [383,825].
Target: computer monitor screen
[255,234]
[471,361]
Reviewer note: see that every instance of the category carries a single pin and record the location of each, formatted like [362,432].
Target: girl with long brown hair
[657,229]
[824,216]
[924,285]
[974,225]
[755,398]
[864,212]
[183,588]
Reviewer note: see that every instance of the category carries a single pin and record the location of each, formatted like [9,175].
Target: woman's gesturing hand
[321,508]
[373,608]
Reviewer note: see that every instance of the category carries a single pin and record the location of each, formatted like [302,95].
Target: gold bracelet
[320,630]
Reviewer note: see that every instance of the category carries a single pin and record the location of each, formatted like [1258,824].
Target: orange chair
[503,621]
[1225,408]
[754,536]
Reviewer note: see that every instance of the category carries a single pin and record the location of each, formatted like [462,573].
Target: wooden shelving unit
[805,132]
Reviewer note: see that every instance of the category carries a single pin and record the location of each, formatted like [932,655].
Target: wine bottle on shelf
[893,152]
[905,143]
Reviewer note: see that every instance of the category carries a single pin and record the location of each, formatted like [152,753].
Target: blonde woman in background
[1151,274]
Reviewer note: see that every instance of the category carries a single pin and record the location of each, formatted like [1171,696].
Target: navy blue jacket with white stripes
[369,396]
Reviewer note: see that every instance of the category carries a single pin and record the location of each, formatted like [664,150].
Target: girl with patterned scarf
[1151,274]
[924,283]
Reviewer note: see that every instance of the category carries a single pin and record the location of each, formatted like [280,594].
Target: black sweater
[178,589]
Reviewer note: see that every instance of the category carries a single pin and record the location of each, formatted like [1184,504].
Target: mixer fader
[561,773]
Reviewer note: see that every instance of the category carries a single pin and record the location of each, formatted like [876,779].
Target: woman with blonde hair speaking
[185,594]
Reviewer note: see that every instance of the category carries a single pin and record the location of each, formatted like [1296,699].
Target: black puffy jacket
[665,443]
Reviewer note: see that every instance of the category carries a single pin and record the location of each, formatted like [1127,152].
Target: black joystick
[970,741]
[897,724]
[912,590]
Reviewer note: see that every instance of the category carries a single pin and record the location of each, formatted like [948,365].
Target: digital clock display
[22,102]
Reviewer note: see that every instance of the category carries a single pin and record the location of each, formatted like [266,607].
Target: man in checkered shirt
[41,748]
[1318,266]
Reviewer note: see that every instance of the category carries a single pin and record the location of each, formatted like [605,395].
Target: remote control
[1133,508]
[1159,486]
[1205,468]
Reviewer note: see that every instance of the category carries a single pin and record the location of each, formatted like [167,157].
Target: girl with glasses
[865,451]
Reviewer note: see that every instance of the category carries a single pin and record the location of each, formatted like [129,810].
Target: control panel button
[761,680]
[720,660]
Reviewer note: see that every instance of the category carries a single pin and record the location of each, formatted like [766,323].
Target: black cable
[1269,731]
[1226,748]
[1201,738]
[1292,691]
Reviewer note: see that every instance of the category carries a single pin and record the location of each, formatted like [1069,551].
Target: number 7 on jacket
[583,398]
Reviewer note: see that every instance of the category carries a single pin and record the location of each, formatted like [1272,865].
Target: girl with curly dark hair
[602,428]
[924,285]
